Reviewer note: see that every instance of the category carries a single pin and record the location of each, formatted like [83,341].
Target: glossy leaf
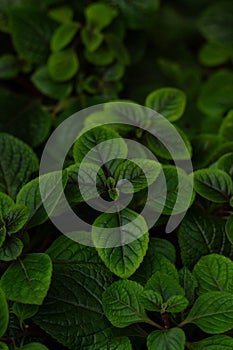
[34,346]
[151,300]
[172,339]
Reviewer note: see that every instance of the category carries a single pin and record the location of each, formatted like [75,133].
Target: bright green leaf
[34,346]
[4,319]
[92,39]
[99,15]
[172,339]
[151,300]
[212,54]
[225,163]
[63,35]
[63,65]
[3,346]
[61,14]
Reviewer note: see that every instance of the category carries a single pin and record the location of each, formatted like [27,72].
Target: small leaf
[99,15]
[172,339]
[6,204]
[30,196]
[219,342]
[24,311]
[3,346]
[103,56]
[123,252]
[63,65]
[225,163]
[212,312]
[188,283]
[121,303]
[226,128]
[213,184]
[4,319]
[122,343]
[16,218]
[62,14]
[213,54]
[151,300]
[11,249]
[176,303]
[17,163]
[63,35]
[8,66]
[32,276]
[34,346]
[92,39]
[41,79]
[169,102]
[229,228]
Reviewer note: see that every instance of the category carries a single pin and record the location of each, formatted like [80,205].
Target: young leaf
[32,276]
[63,65]
[172,339]
[176,303]
[99,15]
[43,82]
[121,303]
[188,283]
[4,319]
[31,43]
[201,235]
[213,184]
[34,346]
[16,218]
[151,300]
[92,39]
[214,273]
[226,129]
[165,285]
[30,196]
[17,163]
[11,249]
[169,102]
[76,292]
[225,163]
[8,66]
[213,54]
[63,35]
[6,204]
[122,258]
[212,312]
[122,343]
[220,342]
[2,231]
[140,172]
[229,228]
[24,311]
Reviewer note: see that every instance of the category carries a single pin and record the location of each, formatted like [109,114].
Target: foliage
[155,291]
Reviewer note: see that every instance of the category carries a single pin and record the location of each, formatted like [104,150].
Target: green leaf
[24,311]
[225,163]
[8,66]
[151,300]
[176,303]
[16,218]
[11,249]
[107,143]
[72,311]
[4,319]
[31,32]
[63,65]
[172,339]
[212,312]
[63,35]
[3,346]
[229,228]
[215,95]
[103,56]
[123,250]
[165,285]
[220,342]
[213,54]
[91,39]
[169,102]
[30,196]
[140,172]
[214,273]
[2,231]
[34,346]
[31,276]
[118,49]
[226,129]
[62,14]
[99,15]
[122,343]
[188,283]
[17,163]
[42,81]
[170,195]
[121,303]
[213,184]
[6,204]
[201,235]
[24,118]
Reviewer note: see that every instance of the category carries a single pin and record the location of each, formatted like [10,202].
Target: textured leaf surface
[225,163]
[122,259]
[4,319]
[173,339]
[213,312]
[121,303]
[11,249]
[33,279]
[219,342]
[24,311]
[17,163]
[188,283]
[16,218]
[151,300]
[176,303]
[122,343]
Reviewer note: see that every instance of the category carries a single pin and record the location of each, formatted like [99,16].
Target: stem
[183,323]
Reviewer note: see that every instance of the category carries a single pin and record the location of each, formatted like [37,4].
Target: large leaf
[72,311]
[212,312]
[99,15]
[213,184]
[4,319]
[124,249]
[219,342]
[214,273]
[169,102]
[121,303]
[31,276]
[172,339]
[3,346]
[17,163]
[30,196]
[24,118]
[201,235]
[31,31]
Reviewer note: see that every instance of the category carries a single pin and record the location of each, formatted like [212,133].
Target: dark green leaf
[229,228]
[24,311]
[2,231]
[176,303]
[17,163]
[226,129]
[99,15]
[225,163]
[151,300]
[219,342]
[4,319]
[11,249]
[63,65]
[122,343]
[62,14]
[16,218]
[172,339]
[188,283]
[3,346]
[8,66]
[103,56]
[31,276]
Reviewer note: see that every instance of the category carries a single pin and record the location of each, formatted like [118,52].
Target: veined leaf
[122,343]
[220,342]
[188,283]
[24,311]
[16,218]
[4,319]
[225,163]
[151,300]
[11,249]
[172,339]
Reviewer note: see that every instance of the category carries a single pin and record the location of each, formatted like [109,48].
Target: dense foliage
[160,291]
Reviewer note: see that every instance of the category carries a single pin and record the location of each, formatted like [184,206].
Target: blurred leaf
[99,15]
[63,35]
[9,66]
[63,65]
